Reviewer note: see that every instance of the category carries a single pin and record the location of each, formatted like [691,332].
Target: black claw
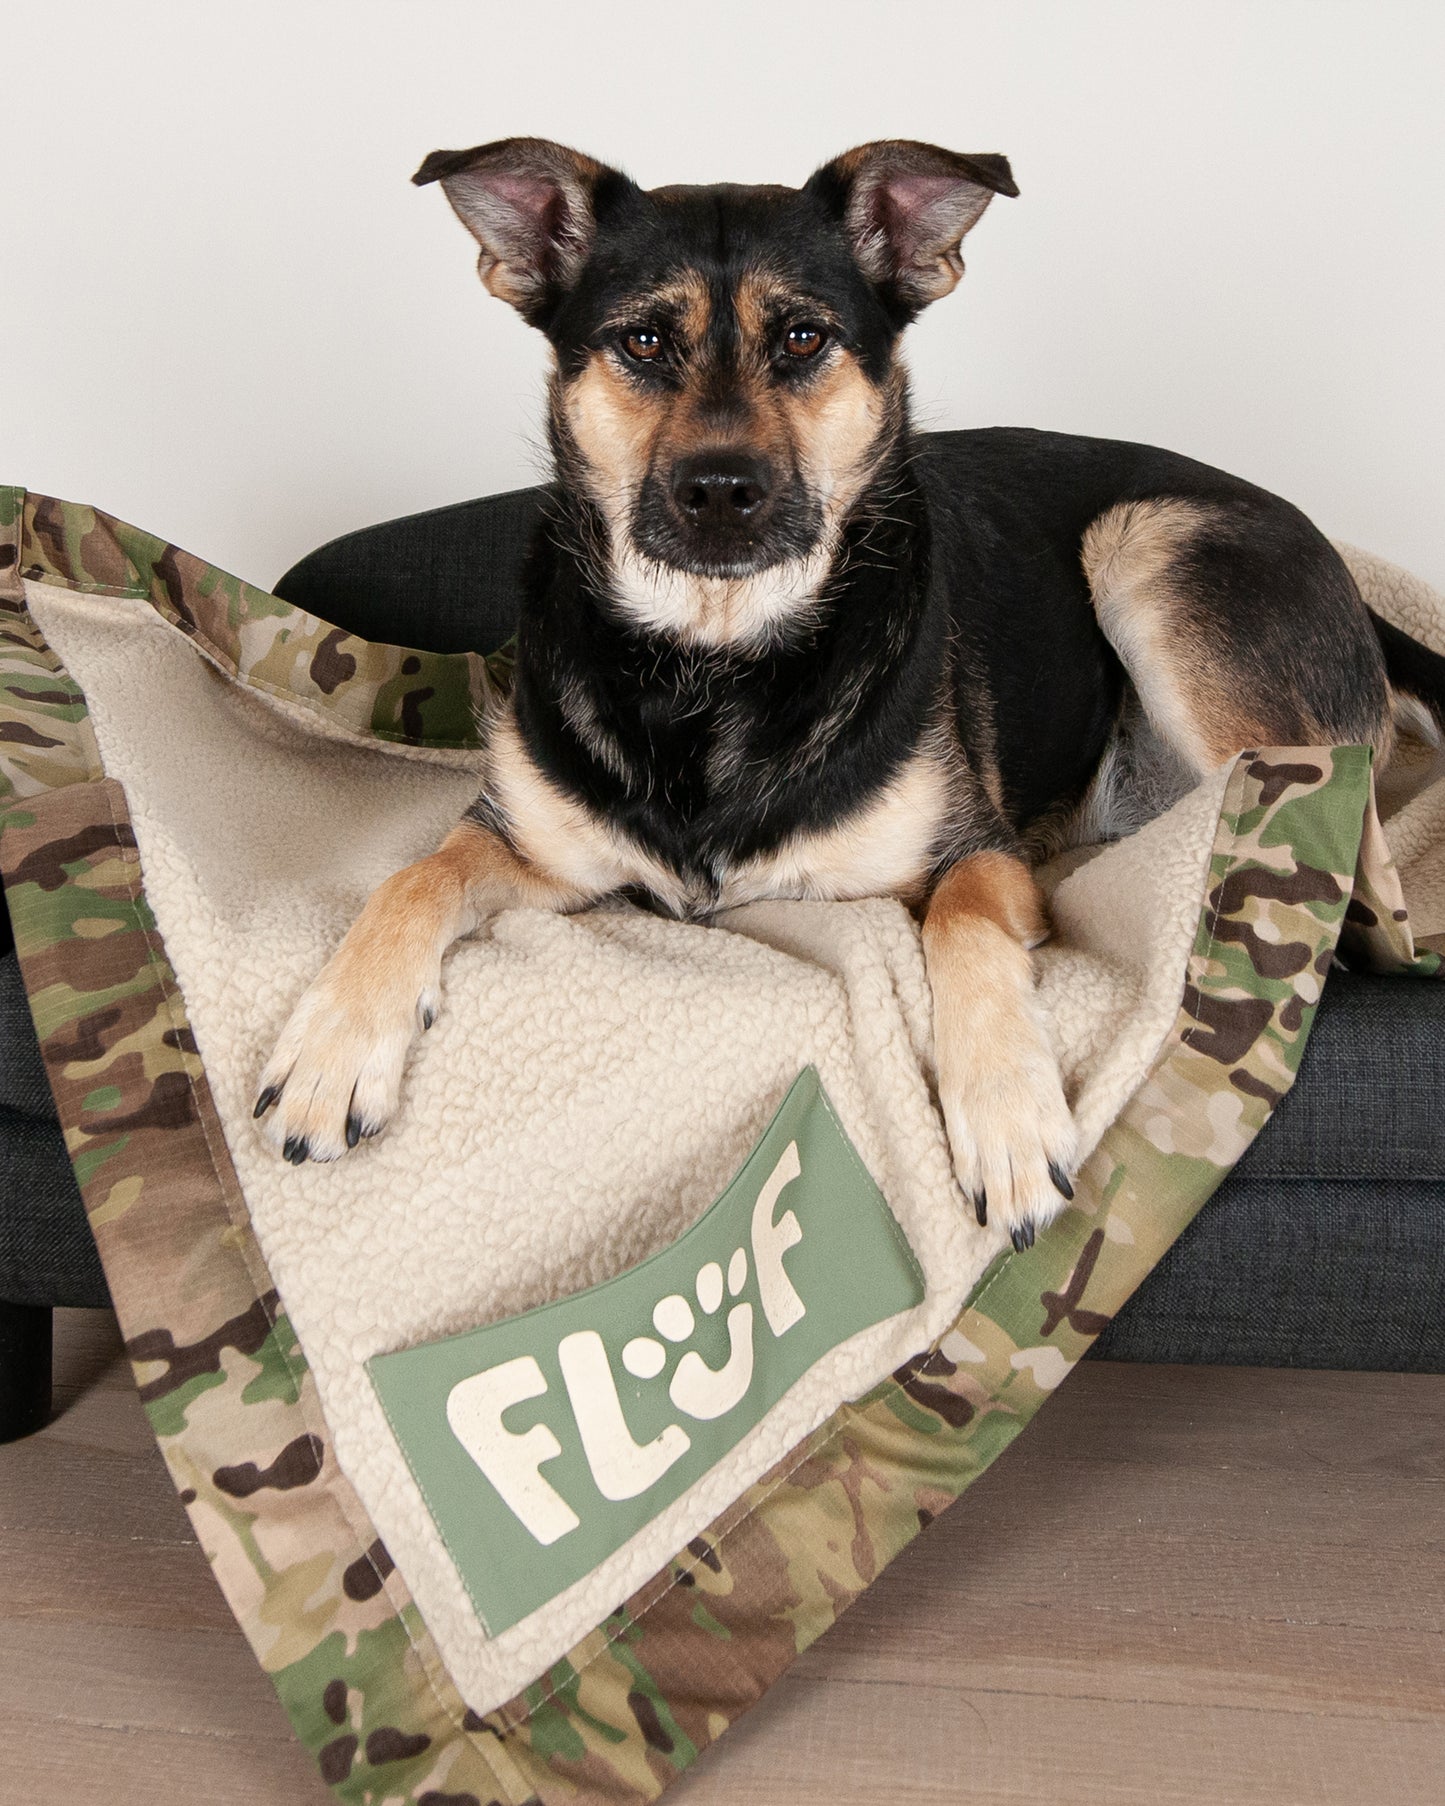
[427,1018]
[980,1208]
[353,1131]
[266,1099]
[1061,1180]
[1023,1237]
[296,1149]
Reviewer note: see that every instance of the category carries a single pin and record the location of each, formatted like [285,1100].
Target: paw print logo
[700,1391]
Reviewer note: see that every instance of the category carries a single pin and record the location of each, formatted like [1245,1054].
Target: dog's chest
[744,812]
[884,846]
[698,860]
[689,838]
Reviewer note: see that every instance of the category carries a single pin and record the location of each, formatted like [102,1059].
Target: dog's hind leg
[1009,1128]
[335,1076]
[1238,624]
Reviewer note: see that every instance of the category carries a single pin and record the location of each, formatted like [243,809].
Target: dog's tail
[1417,678]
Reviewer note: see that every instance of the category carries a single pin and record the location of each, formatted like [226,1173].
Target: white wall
[228,318]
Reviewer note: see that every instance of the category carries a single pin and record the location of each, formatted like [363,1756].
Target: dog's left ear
[905,208]
[529,203]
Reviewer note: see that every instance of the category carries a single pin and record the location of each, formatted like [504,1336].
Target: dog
[774,645]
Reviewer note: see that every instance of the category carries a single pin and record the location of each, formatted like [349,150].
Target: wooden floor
[1183,1585]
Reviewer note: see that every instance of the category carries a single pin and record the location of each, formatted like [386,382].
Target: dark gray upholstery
[1326,1247]
[47,1253]
[447,581]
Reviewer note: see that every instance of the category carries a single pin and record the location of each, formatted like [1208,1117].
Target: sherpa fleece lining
[592,1084]
[1411,797]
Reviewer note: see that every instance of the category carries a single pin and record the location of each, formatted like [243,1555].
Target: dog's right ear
[905,208]
[529,205]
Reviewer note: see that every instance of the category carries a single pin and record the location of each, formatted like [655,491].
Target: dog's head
[727,382]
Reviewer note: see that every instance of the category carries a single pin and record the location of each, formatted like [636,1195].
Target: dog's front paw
[1013,1139]
[335,1077]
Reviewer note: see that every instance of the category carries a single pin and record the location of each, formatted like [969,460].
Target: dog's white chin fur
[747,612]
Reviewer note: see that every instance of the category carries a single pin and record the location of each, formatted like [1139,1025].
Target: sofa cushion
[449,580]
[1325,1245]
[1374,1106]
[47,1253]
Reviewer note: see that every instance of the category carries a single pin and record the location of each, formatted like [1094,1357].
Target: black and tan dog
[775,646]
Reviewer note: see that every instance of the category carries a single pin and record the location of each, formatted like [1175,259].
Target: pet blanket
[531,1441]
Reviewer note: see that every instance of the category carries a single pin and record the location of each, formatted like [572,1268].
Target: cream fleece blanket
[594,1081]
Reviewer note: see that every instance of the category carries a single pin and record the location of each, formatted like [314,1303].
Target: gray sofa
[1325,1247]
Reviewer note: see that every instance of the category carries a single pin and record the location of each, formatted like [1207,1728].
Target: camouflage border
[236,1412]
[1377,934]
[45,735]
[390,693]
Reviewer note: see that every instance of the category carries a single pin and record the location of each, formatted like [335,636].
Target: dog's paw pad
[1014,1145]
[335,1078]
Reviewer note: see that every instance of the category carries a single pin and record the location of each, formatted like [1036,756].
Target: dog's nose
[720,489]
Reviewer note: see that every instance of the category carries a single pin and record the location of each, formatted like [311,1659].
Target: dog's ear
[529,205]
[905,208]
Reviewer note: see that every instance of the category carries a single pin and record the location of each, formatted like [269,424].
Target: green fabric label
[543,1442]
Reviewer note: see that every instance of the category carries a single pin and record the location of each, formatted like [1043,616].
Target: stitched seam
[50,578]
[426,1499]
[895,1228]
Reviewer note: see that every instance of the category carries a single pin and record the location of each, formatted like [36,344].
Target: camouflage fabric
[1377,934]
[389,692]
[226,1384]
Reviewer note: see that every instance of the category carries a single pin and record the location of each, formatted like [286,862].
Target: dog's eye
[643,343]
[804,341]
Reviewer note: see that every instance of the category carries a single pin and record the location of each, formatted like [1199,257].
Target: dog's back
[1058,548]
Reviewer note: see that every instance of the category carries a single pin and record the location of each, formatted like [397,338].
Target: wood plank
[99,1580]
[924,1743]
[196,1683]
[48,1763]
[1185,1587]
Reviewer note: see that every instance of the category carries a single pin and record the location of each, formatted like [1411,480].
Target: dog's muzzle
[724,513]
